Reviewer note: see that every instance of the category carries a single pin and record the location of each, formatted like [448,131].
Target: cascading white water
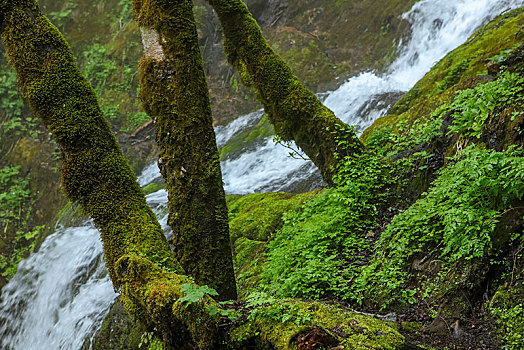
[61,293]
[58,293]
[438,26]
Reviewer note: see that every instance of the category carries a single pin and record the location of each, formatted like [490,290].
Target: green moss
[410,327]
[159,291]
[278,325]
[153,188]
[257,216]
[189,158]
[253,219]
[247,138]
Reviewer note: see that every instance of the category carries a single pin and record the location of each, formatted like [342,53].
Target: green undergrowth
[17,237]
[253,220]
[473,106]
[430,210]
[319,249]
[453,224]
[507,308]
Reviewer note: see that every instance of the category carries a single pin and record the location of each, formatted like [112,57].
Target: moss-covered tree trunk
[295,111]
[174,91]
[94,170]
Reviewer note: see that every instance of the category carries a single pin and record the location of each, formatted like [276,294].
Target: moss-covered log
[174,91]
[295,111]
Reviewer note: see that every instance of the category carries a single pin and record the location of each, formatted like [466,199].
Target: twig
[515,264]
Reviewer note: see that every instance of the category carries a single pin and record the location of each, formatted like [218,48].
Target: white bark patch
[151,42]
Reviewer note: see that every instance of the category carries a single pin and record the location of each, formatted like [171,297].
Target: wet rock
[118,332]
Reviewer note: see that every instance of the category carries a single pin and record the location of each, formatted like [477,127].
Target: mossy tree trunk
[174,91]
[295,111]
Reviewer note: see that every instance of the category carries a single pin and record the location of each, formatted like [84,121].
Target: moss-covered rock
[253,219]
[507,308]
[118,332]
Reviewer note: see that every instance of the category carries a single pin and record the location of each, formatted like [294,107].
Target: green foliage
[126,12]
[262,305]
[389,143]
[59,18]
[14,194]
[98,66]
[507,307]
[194,293]
[473,106]
[10,100]
[320,248]
[137,119]
[19,125]
[503,55]
[15,209]
[257,216]
[455,220]
[149,340]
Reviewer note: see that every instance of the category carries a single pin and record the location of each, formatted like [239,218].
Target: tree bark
[295,111]
[96,174]
[174,91]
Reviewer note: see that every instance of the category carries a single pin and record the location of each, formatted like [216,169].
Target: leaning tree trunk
[295,111]
[94,170]
[174,92]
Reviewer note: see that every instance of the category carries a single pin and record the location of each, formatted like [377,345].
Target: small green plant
[98,66]
[149,340]
[321,246]
[262,305]
[507,308]
[503,55]
[59,18]
[10,100]
[453,77]
[195,293]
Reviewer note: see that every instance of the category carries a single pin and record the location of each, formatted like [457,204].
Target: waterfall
[437,27]
[61,293]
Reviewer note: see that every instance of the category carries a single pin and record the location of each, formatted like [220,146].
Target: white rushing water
[61,293]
